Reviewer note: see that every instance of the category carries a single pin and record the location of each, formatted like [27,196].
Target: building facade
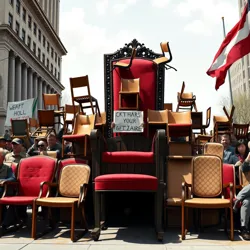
[30,51]
[240,70]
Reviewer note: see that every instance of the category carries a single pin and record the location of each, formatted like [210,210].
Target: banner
[20,110]
[128,121]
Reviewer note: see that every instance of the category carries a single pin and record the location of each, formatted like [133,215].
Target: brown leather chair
[157,118]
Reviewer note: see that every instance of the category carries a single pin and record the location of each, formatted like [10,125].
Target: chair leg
[183,226]
[159,213]
[95,234]
[62,148]
[72,231]
[84,221]
[34,220]
[231,224]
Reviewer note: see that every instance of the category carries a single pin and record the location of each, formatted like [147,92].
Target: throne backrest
[32,171]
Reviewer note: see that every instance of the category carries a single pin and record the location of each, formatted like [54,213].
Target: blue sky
[90,29]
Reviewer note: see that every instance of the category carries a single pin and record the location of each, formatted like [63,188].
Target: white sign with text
[19,110]
[128,121]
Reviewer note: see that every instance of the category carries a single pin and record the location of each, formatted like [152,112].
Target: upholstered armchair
[131,163]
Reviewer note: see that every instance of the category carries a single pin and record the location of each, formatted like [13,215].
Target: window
[59,61]
[43,58]
[244,74]
[23,35]
[24,14]
[11,2]
[39,35]
[47,63]
[18,6]
[29,21]
[51,68]
[17,28]
[248,60]
[10,20]
[55,72]
[242,61]
[39,54]
[245,89]
[29,41]
[248,73]
[34,29]
[44,41]
[52,53]
[55,57]
[48,47]
[58,75]
[34,48]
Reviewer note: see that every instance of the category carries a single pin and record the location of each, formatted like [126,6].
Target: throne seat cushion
[176,130]
[18,200]
[128,157]
[126,182]
[73,137]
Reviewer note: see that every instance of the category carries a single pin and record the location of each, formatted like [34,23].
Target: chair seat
[173,202]
[129,92]
[56,200]
[84,99]
[207,202]
[17,200]
[73,138]
[128,157]
[121,64]
[125,182]
[161,60]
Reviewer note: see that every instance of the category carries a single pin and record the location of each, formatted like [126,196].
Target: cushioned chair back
[101,119]
[207,176]
[213,148]
[34,170]
[228,177]
[68,161]
[84,124]
[52,154]
[158,116]
[72,177]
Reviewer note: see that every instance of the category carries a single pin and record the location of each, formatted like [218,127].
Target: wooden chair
[240,130]
[163,60]
[101,121]
[72,191]
[223,124]
[83,125]
[129,93]
[206,189]
[46,123]
[52,101]
[186,101]
[158,119]
[200,141]
[179,124]
[213,148]
[168,106]
[124,65]
[208,118]
[69,113]
[20,129]
[85,101]
[52,154]
[33,125]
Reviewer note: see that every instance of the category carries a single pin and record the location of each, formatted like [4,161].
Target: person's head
[225,141]
[8,145]
[241,148]
[6,131]
[42,146]
[245,168]
[51,139]
[2,142]
[2,155]
[17,145]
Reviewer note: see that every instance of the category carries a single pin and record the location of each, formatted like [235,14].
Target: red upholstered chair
[32,172]
[116,166]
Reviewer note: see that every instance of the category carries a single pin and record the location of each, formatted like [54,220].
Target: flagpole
[229,75]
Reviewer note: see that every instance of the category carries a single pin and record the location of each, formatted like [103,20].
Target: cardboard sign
[128,121]
[20,110]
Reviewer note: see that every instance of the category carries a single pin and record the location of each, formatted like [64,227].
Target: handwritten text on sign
[128,121]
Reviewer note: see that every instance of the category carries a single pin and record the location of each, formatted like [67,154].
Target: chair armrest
[49,184]
[239,186]
[184,192]
[6,184]
[83,193]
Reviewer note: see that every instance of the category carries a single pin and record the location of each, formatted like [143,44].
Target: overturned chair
[144,171]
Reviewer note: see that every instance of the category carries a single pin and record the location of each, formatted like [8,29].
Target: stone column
[11,80]
[51,11]
[40,94]
[30,84]
[24,82]
[18,80]
[35,90]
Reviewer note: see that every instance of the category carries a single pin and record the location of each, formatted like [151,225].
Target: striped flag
[235,45]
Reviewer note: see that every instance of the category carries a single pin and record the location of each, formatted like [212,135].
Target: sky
[193,28]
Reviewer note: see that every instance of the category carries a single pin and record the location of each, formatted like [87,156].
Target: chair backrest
[52,154]
[183,96]
[207,176]
[166,49]
[83,124]
[130,85]
[229,117]
[51,100]
[133,54]
[101,119]
[70,110]
[179,117]
[68,161]
[46,118]
[168,106]
[79,82]
[228,177]
[208,117]
[158,116]
[213,148]
[33,123]
[71,178]
[19,127]
[34,170]
[240,130]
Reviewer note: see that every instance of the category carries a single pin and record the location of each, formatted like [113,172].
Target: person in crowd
[3,145]
[244,197]
[33,150]
[53,145]
[228,149]
[241,152]
[17,151]
[8,145]
[7,135]
[42,146]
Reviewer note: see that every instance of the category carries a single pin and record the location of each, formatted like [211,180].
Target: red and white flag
[235,45]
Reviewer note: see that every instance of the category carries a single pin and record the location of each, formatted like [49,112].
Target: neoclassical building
[30,51]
